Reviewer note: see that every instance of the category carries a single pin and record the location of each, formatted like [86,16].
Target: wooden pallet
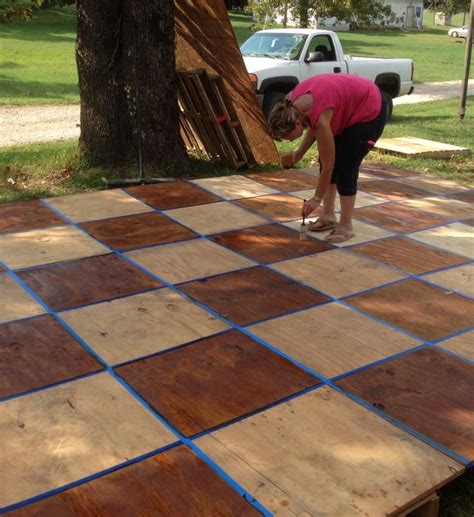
[208,121]
[410,146]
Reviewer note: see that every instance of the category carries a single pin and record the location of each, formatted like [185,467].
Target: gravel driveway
[27,124]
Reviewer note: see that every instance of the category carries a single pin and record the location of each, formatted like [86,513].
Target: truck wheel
[389,107]
[454,34]
[269,100]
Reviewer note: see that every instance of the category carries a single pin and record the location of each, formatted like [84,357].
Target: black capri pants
[352,145]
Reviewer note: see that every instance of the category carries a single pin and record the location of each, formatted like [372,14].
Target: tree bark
[125,59]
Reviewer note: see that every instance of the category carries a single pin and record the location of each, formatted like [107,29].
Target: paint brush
[303,229]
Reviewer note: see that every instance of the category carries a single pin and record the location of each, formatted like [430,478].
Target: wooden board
[411,146]
[461,344]
[139,325]
[234,187]
[429,390]
[337,272]
[213,381]
[270,242]
[286,181]
[252,294]
[90,280]
[392,190]
[174,194]
[137,231]
[455,237]
[15,302]
[189,260]
[37,352]
[27,215]
[332,339]
[69,432]
[175,482]
[323,454]
[384,170]
[205,39]
[409,255]
[422,309]
[460,279]
[280,207]
[443,206]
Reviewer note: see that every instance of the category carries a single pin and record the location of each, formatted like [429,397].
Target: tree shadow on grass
[11,89]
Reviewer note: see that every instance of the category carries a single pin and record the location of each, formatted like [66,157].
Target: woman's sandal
[324,225]
[340,236]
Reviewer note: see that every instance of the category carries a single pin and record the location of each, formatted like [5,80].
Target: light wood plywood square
[362,199]
[65,433]
[432,184]
[140,325]
[463,344]
[443,206]
[338,272]
[458,279]
[215,217]
[36,247]
[98,205]
[332,339]
[197,258]
[234,187]
[15,302]
[455,238]
[323,454]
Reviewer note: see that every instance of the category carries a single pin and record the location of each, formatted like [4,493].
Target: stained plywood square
[450,208]
[393,190]
[455,237]
[338,272]
[215,217]
[136,231]
[433,184]
[462,344]
[397,217]
[420,308]
[440,410]
[409,255]
[98,205]
[252,294]
[27,215]
[323,454]
[184,261]
[332,339]
[68,432]
[44,246]
[286,181]
[279,207]
[173,194]
[142,324]
[210,382]
[37,352]
[270,242]
[154,486]
[460,279]
[234,187]
[384,170]
[466,196]
[90,280]
[15,302]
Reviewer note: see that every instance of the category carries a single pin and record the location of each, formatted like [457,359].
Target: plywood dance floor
[176,349]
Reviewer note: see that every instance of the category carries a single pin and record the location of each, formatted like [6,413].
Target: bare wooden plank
[411,146]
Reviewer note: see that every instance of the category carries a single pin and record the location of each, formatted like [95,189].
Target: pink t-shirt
[354,99]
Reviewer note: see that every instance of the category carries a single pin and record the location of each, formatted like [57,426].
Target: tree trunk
[125,59]
[303,6]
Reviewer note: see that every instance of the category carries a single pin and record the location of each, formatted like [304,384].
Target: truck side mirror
[315,57]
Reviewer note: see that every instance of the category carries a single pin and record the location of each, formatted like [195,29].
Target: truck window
[278,45]
[322,43]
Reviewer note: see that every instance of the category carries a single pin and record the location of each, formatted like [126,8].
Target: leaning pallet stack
[208,120]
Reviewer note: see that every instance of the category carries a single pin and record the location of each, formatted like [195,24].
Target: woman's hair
[282,119]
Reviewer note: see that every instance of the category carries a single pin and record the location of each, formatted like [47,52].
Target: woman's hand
[287,160]
[310,206]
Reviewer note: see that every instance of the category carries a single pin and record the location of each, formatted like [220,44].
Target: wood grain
[37,352]
[429,390]
[285,181]
[462,344]
[392,190]
[175,194]
[26,215]
[15,302]
[384,170]
[279,207]
[253,294]
[425,310]
[90,280]
[215,380]
[174,482]
[125,233]
[409,255]
[271,242]
[397,217]
[467,197]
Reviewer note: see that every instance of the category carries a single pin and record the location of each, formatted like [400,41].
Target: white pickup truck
[278,59]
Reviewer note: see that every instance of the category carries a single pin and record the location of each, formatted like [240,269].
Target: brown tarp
[205,39]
